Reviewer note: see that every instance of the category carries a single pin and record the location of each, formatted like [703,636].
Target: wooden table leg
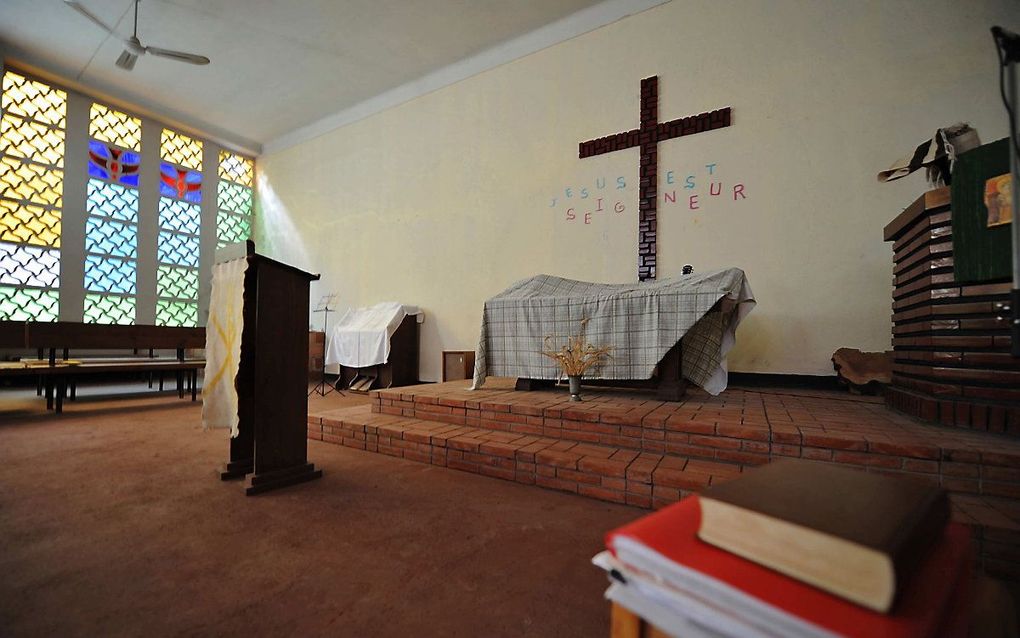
[61,389]
[194,384]
[672,386]
[624,623]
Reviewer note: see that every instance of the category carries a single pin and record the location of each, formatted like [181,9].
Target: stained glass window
[234,199]
[112,163]
[237,169]
[111,227]
[180,183]
[110,125]
[33,142]
[180,149]
[32,120]
[180,227]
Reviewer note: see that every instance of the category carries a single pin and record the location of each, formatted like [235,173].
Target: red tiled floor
[627,447]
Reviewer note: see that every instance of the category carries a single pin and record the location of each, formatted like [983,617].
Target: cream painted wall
[446,200]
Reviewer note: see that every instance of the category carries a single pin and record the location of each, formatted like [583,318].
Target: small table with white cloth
[380,342]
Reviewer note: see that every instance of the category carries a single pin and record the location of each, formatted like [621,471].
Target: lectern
[272,378]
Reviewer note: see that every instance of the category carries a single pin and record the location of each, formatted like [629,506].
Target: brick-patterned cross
[648,137]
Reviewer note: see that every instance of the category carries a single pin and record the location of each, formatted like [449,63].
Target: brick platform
[627,448]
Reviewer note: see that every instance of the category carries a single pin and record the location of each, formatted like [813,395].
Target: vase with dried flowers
[575,358]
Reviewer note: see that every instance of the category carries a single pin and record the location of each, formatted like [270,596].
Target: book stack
[796,549]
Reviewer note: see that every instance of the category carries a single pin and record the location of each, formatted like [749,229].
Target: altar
[691,317]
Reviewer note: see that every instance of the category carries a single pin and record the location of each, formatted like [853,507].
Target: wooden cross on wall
[647,137]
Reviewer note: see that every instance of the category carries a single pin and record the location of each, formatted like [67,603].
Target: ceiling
[277,65]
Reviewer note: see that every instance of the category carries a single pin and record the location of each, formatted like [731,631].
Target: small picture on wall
[999,200]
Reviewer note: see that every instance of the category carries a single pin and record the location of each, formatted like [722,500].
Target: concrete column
[148,221]
[75,210]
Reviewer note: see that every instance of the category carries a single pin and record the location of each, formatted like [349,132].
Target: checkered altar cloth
[641,321]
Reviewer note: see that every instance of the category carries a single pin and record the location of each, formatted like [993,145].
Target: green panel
[176,313]
[231,228]
[234,198]
[109,309]
[177,281]
[28,304]
[980,253]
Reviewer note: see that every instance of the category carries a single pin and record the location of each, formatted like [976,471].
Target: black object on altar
[272,378]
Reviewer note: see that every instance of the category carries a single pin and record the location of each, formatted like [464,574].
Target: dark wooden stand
[951,340]
[272,380]
[669,385]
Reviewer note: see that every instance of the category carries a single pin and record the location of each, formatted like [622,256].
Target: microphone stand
[321,387]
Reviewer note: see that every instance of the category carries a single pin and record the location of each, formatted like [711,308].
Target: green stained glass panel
[235,198]
[109,309]
[28,304]
[232,228]
[175,281]
[176,313]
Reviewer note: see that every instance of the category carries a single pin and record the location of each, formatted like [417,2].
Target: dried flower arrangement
[576,357]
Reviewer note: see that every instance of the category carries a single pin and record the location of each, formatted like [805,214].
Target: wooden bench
[56,377]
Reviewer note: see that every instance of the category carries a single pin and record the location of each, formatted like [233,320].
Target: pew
[54,374]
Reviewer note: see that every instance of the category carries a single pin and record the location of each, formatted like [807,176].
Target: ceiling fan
[133,48]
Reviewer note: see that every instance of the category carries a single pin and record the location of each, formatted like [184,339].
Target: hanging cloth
[223,346]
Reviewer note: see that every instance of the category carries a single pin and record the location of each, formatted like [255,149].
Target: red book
[931,605]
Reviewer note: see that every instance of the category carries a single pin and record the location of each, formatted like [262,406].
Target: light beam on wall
[277,233]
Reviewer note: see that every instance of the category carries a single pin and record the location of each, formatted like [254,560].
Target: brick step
[620,475]
[741,427]
[995,532]
[645,426]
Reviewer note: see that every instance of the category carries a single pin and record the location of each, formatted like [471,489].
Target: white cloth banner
[361,337]
[223,346]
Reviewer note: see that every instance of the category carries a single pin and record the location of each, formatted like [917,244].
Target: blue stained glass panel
[107,274]
[111,200]
[113,164]
[177,249]
[99,149]
[95,171]
[23,265]
[111,238]
[180,183]
[179,216]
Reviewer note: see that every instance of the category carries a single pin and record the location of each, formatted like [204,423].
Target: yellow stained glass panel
[30,182]
[33,99]
[31,140]
[28,224]
[181,149]
[236,168]
[110,125]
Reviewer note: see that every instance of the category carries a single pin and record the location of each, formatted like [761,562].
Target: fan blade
[127,60]
[88,14]
[190,58]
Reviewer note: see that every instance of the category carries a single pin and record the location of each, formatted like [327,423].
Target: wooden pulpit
[272,379]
